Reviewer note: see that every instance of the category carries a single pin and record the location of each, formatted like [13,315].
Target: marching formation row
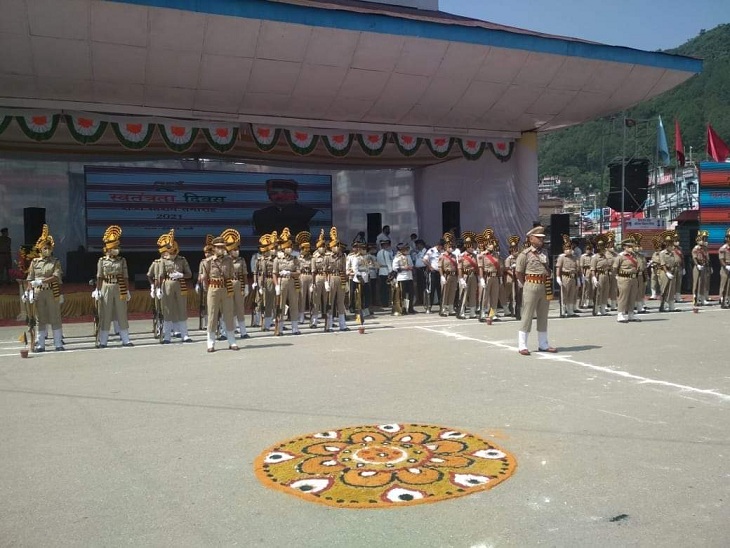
[472,282]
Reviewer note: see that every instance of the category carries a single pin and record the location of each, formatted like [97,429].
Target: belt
[467,271]
[339,273]
[284,276]
[217,282]
[45,286]
[110,279]
[570,275]
[628,274]
[491,274]
[535,278]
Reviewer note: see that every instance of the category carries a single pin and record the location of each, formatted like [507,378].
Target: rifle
[724,302]
[358,304]
[462,296]
[560,303]
[427,289]
[160,333]
[30,321]
[202,305]
[695,288]
[277,315]
[665,292]
[97,323]
[396,297]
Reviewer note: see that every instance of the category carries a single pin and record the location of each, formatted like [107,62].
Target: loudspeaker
[375,225]
[559,225]
[451,218]
[33,220]
[636,185]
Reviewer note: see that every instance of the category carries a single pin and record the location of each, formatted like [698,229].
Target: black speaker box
[636,185]
[33,220]
[375,225]
[451,217]
[559,225]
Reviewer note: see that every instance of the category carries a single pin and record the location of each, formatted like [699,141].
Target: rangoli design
[385,465]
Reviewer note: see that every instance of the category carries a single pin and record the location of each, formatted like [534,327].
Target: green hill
[581,152]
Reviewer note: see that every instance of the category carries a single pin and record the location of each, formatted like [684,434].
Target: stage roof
[341,65]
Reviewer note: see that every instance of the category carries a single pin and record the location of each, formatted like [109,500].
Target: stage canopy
[321,68]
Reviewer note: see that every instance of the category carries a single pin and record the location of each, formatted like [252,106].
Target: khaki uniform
[724,256]
[335,265]
[668,263]
[533,263]
[266,286]
[319,275]
[601,265]
[449,271]
[678,273]
[240,283]
[286,271]
[174,291]
[642,278]
[626,268]
[569,272]
[510,282]
[588,291]
[47,305]
[217,276]
[468,282]
[113,302]
[490,270]
[655,286]
[701,276]
[305,282]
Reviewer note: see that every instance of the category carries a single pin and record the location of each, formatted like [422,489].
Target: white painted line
[567,359]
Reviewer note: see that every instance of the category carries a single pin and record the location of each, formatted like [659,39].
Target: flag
[661,144]
[716,148]
[678,146]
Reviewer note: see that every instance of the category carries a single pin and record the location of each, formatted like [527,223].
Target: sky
[642,24]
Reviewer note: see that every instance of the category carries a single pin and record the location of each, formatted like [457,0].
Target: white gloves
[152,290]
[129,296]
[482,283]
[365,277]
[96,294]
[254,285]
[158,293]
[261,290]
[520,284]
[284,273]
[25,297]
[700,267]
[670,275]
[579,282]
[311,288]
[246,291]
[462,283]
[176,275]
[684,272]
[36,283]
[595,282]
[727,267]
[197,288]
[326,286]
[277,288]
[559,279]
[61,299]
[443,280]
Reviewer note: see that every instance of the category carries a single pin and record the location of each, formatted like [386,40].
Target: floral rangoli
[384,465]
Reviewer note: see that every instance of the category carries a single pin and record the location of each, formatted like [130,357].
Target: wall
[502,195]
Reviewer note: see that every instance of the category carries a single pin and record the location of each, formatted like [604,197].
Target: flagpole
[623,176]
[656,176]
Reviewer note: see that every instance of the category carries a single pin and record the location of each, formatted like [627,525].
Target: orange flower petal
[418,476]
[324,448]
[449,461]
[446,446]
[372,437]
[412,437]
[317,466]
[367,478]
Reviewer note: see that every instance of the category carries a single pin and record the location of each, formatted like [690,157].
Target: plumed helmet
[567,244]
[320,240]
[303,239]
[166,242]
[513,241]
[285,240]
[232,238]
[45,239]
[112,237]
[469,238]
[334,241]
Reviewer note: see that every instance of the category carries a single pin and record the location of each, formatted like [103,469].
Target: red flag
[678,146]
[716,147]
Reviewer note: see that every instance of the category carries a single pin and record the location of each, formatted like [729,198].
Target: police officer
[626,268]
[286,280]
[468,274]
[217,278]
[533,274]
[240,278]
[305,277]
[601,264]
[320,296]
[490,273]
[336,282]
[44,288]
[112,290]
[724,256]
[568,277]
[669,267]
[448,276]
[701,270]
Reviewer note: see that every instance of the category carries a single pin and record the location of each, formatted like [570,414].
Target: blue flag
[661,144]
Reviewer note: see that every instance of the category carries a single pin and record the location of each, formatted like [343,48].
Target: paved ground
[618,443]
